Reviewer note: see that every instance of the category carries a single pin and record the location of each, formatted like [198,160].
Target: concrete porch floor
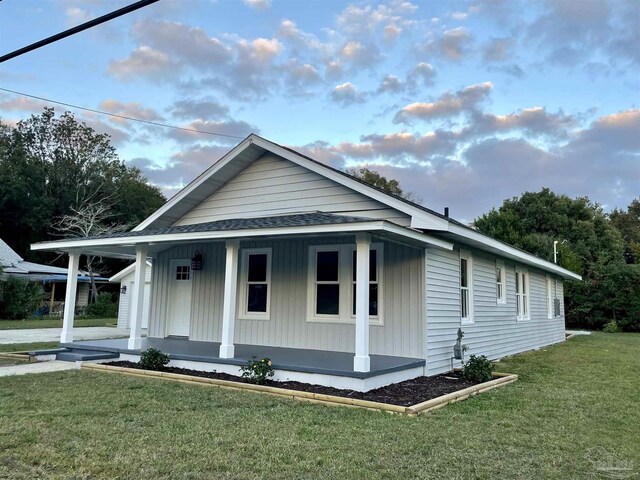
[292,359]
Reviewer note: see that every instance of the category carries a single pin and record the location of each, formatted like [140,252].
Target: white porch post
[137,297]
[361,361]
[70,298]
[227,350]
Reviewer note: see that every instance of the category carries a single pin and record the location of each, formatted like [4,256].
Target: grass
[55,323]
[27,347]
[574,404]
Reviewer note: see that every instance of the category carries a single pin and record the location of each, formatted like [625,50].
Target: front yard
[55,323]
[574,409]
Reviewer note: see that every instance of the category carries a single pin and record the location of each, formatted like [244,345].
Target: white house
[270,253]
[126,279]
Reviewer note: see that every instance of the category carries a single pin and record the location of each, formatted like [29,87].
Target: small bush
[478,369]
[19,298]
[257,371]
[104,307]
[611,327]
[153,359]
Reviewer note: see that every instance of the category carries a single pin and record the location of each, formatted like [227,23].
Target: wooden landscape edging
[16,356]
[414,410]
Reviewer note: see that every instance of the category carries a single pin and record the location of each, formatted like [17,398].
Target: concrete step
[71,355]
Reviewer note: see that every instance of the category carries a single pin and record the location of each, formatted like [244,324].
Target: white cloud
[347,94]
[258,4]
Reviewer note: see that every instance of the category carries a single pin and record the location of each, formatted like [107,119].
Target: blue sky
[466,103]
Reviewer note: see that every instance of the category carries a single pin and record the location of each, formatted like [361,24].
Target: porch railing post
[70,298]
[227,349]
[361,361]
[137,297]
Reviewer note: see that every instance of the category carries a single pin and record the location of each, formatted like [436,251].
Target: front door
[179,305]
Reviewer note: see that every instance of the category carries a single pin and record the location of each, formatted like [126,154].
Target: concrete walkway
[40,367]
[35,335]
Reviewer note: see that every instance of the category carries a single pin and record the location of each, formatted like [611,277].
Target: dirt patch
[405,394]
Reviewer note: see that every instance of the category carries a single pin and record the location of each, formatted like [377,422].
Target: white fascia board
[419,217]
[123,273]
[513,253]
[199,180]
[373,226]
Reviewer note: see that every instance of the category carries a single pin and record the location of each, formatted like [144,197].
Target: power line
[77,29]
[101,112]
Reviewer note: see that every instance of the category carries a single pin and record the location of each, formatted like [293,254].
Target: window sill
[466,321]
[340,321]
[254,317]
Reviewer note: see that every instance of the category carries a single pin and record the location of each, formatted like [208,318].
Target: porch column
[70,298]
[137,297]
[361,361]
[227,350]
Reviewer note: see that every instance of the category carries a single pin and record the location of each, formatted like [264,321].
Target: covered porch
[338,345]
[311,366]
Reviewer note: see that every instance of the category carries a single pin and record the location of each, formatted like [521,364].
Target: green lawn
[27,347]
[574,404]
[55,323]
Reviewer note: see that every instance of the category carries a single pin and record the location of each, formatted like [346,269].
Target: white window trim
[345,253]
[550,297]
[526,292]
[503,300]
[469,319]
[243,314]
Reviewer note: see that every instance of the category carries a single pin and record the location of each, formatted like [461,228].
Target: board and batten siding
[275,186]
[123,302]
[402,279]
[495,331]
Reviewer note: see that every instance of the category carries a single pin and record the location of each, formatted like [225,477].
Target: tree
[390,186]
[52,166]
[589,244]
[89,220]
[628,223]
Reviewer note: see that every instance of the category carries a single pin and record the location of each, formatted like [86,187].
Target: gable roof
[123,273]
[13,263]
[254,147]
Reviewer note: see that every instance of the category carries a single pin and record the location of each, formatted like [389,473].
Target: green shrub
[611,327]
[104,307]
[153,359]
[478,369]
[19,298]
[257,371]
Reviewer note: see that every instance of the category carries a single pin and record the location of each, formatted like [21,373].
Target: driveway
[35,335]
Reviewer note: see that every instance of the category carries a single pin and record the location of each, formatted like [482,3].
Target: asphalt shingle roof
[280,221]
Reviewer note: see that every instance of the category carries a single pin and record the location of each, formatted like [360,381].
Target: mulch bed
[405,394]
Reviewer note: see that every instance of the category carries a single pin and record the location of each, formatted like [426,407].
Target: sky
[466,103]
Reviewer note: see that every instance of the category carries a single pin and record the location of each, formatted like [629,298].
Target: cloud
[258,4]
[534,121]
[77,15]
[360,55]
[423,74]
[142,62]
[131,109]
[448,105]
[498,50]
[205,108]
[453,44]
[233,128]
[22,104]
[347,94]
[390,84]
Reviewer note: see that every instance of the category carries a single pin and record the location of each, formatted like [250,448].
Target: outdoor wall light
[123,289]
[196,261]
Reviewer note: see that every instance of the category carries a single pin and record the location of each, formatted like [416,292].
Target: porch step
[71,355]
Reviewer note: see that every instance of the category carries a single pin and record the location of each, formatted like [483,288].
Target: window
[183,272]
[466,288]
[255,284]
[522,294]
[500,283]
[332,283]
[550,303]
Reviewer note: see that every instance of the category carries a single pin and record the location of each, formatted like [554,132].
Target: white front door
[179,305]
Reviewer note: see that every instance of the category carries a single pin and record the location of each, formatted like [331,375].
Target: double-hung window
[255,295]
[522,295]
[466,287]
[500,283]
[332,283]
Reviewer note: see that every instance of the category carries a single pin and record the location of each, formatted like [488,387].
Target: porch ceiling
[123,245]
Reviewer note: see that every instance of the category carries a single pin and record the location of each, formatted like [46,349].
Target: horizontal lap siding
[495,332]
[274,186]
[402,333]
